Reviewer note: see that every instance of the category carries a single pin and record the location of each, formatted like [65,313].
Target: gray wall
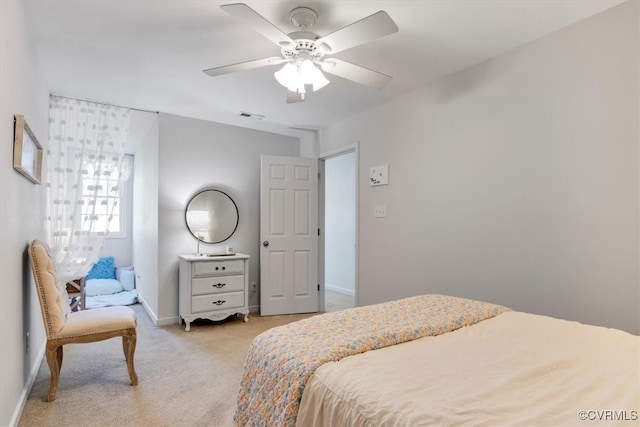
[21,212]
[144,129]
[515,181]
[196,154]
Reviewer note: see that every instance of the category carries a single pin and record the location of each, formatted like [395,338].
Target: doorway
[340,225]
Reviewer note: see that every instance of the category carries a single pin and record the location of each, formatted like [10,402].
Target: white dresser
[213,287]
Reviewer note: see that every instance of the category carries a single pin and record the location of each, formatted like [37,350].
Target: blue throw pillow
[103,269]
[128,279]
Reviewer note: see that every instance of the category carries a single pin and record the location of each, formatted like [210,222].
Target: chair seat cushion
[98,320]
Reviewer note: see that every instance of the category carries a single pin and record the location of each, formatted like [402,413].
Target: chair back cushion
[53,296]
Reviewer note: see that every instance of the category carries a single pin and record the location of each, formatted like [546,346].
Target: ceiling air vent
[251,116]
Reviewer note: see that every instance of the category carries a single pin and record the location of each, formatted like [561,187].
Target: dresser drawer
[212,288]
[216,285]
[212,268]
[213,302]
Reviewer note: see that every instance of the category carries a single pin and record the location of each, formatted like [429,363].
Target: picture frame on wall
[27,151]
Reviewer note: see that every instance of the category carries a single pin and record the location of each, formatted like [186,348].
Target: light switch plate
[380,211]
[379,175]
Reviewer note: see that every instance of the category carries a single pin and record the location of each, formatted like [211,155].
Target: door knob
[265,243]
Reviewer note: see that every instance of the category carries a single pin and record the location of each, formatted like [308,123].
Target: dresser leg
[187,326]
[246,317]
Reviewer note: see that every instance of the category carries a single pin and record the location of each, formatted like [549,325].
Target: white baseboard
[167,321]
[150,312]
[339,290]
[17,413]
[156,321]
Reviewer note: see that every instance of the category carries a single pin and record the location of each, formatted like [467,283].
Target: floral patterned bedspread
[281,360]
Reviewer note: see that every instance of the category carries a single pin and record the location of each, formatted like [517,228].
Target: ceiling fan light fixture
[294,76]
[286,74]
[289,77]
[312,75]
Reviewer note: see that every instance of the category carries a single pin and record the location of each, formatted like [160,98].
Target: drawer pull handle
[217,268]
[223,267]
[218,285]
[219,302]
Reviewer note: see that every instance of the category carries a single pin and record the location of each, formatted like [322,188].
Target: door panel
[276,273]
[277,212]
[288,233]
[301,212]
[301,273]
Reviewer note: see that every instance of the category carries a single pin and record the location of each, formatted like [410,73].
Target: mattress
[281,360]
[513,369]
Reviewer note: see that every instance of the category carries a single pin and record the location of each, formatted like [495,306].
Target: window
[104,196]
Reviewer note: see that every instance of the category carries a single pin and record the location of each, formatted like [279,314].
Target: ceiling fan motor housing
[305,42]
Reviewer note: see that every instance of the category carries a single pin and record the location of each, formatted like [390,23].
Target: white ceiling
[150,54]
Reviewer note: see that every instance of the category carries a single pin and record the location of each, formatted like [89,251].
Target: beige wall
[21,212]
[515,181]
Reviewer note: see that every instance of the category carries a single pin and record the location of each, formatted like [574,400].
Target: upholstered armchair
[64,326]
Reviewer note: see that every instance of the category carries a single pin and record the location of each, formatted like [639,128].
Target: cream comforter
[281,360]
[514,369]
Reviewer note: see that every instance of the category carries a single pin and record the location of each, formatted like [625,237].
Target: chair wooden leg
[129,347]
[54,358]
[59,356]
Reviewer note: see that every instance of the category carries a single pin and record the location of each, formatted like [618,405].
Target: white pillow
[128,279]
[102,287]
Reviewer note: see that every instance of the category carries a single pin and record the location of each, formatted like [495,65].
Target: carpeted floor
[336,301]
[185,378]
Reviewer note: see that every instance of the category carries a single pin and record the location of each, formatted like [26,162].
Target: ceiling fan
[304,53]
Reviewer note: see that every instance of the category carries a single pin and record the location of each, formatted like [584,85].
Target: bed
[107,285]
[439,360]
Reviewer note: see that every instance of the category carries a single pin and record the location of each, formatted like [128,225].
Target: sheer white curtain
[83,174]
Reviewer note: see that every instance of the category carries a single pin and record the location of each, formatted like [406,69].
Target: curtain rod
[104,103]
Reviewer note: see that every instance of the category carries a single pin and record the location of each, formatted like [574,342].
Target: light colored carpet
[185,378]
[336,301]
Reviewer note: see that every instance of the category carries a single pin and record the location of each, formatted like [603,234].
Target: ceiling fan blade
[370,28]
[258,22]
[356,73]
[293,97]
[248,65]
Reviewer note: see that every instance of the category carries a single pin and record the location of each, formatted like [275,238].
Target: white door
[289,235]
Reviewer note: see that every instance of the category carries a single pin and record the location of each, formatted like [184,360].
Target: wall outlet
[254,287]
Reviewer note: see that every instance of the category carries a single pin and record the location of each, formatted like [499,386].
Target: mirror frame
[186,210]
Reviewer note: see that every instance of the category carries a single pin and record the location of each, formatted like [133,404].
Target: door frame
[346,149]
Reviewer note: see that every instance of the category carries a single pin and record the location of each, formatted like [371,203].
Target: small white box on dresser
[213,287]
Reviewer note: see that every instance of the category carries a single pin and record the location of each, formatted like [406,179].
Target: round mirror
[211,216]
